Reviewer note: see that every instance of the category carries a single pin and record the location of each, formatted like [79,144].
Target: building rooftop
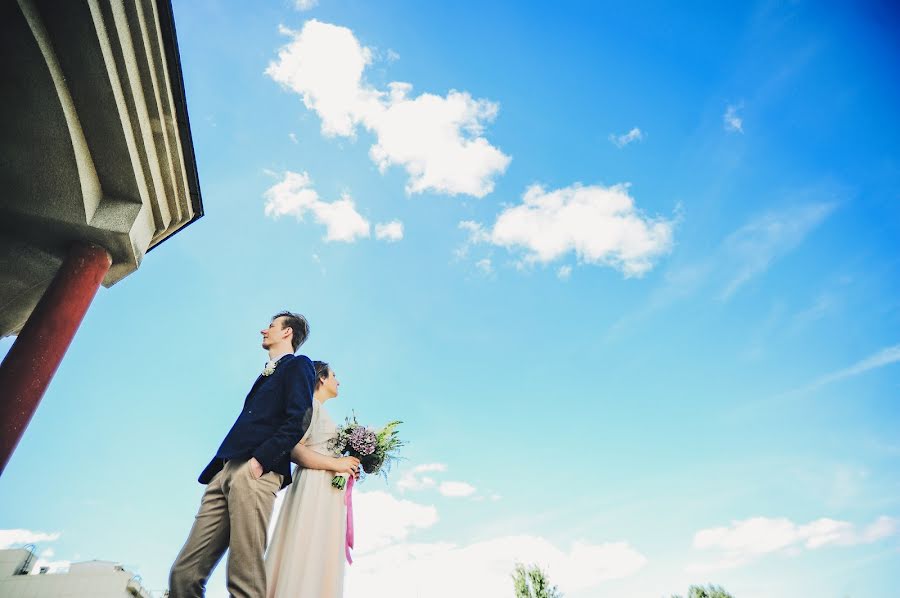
[22,575]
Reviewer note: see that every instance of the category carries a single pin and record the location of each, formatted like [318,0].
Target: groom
[251,465]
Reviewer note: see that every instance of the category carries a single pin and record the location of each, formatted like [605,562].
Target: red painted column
[38,350]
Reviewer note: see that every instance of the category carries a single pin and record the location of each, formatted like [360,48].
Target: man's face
[275,333]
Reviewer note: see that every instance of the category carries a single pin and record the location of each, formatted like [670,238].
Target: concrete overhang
[95,143]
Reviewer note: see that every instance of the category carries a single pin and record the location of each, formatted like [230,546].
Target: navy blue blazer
[276,415]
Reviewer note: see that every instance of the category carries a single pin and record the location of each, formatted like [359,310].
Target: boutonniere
[270,368]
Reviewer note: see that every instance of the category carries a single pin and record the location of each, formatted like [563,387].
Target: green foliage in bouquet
[387,443]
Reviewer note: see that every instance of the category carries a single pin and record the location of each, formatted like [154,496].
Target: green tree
[531,582]
[709,591]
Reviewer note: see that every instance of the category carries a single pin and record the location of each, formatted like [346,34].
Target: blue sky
[627,272]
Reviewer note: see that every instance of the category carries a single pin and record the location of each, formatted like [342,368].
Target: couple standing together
[282,421]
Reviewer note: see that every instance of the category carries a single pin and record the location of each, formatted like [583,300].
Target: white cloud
[295,196]
[564,272]
[305,4]
[324,64]
[389,231]
[456,489]
[731,120]
[746,540]
[438,140]
[410,570]
[341,220]
[416,479]
[601,225]
[631,136]
[390,563]
[293,137]
[14,538]
[380,519]
[413,480]
[750,250]
[50,566]
[484,266]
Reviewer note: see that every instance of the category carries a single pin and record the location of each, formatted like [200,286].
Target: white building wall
[94,579]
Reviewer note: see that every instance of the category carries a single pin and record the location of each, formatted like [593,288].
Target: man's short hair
[297,323]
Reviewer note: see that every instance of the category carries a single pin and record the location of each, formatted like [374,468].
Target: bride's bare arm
[310,459]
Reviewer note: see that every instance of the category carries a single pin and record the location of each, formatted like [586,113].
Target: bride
[306,557]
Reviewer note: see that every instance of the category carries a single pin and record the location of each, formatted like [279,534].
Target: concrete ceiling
[95,143]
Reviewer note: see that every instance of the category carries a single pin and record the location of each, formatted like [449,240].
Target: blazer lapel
[260,379]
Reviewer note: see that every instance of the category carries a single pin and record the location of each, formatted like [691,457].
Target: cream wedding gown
[306,558]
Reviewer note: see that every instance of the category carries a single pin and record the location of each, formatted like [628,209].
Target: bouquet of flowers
[376,450]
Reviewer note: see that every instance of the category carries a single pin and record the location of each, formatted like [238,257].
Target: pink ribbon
[348,500]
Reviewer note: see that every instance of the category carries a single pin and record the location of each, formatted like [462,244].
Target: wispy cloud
[747,540]
[631,136]
[13,538]
[600,225]
[732,121]
[750,250]
[746,253]
[318,262]
[304,5]
[294,195]
[438,140]
[678,283]
[884,357]
[823,305]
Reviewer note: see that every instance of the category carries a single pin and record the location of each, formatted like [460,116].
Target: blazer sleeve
[298,389]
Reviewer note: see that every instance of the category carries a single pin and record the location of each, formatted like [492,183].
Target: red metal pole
[33,359]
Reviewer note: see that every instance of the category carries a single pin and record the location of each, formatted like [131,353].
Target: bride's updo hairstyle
[323,370]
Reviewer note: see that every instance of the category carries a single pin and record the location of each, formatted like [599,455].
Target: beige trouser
[234,514]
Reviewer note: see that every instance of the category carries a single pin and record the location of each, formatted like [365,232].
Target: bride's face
[330,385]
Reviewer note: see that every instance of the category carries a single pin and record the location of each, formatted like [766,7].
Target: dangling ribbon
[348,500]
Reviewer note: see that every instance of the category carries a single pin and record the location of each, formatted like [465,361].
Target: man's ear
[289,331]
